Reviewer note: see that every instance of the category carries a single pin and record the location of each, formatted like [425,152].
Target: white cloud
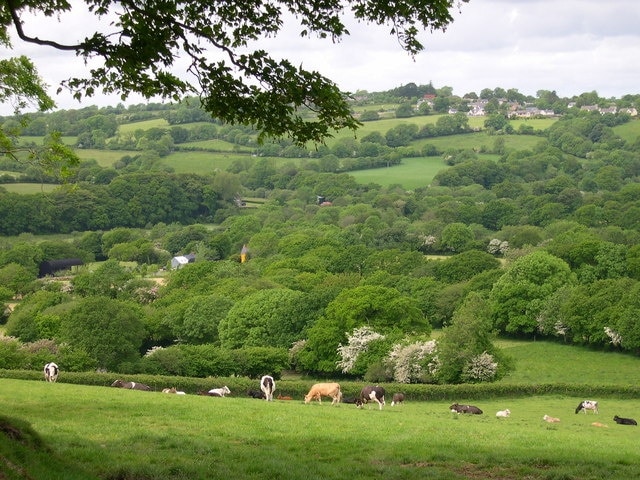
[571,47]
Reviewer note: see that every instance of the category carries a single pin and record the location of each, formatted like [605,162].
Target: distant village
[477,108]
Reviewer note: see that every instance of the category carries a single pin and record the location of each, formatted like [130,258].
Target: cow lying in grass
[131,385]
[259,394]
[320,390]
[549,419]
[216,392]
[472,409]
[503,413]
[624,421]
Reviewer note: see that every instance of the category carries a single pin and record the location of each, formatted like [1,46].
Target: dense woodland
[341,278]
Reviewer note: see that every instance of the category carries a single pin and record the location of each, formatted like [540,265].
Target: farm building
[181,260]
[50,267]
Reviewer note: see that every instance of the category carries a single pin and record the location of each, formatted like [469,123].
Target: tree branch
[11,4]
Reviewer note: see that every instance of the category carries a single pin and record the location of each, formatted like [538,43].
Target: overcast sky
[570,46]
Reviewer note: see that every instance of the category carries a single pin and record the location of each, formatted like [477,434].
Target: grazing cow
[320,390]
[549,419]
[503,413]
[398,398]
[472,409]
[255,393]
[131,385]
[284,397]
[267,385]
[51,371]
[218,392]
[624,421]
[587,405]
[374,394]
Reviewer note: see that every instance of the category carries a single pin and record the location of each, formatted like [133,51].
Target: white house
[181,260]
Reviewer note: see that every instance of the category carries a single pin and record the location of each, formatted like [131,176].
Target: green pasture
[201,162]
[412,173]
[105,158]
[29,188]
[629,131]
[479,141]
[551,362]
[143,125]
[219,145]
[28,139]
[108,433]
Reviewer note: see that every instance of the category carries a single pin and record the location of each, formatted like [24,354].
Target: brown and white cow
[320,390]
[372,394]
[398,398]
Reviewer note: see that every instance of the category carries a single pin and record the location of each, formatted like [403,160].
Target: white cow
[219,392]
[503,413]
[51,372]
[267,385]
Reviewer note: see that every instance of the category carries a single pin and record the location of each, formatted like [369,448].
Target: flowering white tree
[481,368]
[616,338]
[408,361]
[357,343]
[497,246]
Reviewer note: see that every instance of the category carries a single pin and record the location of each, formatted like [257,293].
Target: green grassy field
[122,434]
[411,174]
[105,158]
[630,131]
[29,188]
[98,432]
[550,362]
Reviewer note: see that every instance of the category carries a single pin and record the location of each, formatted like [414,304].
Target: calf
[624,421]
[267,385]
[284,397]
[352,400]
[503,413]
[255,393]
[320,390]
[587,405]
[549,419]
[472,409]
[374,394]
[398,398]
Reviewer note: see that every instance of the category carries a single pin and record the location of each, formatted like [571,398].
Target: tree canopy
[139,45]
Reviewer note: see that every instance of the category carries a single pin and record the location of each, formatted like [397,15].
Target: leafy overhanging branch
[148,38]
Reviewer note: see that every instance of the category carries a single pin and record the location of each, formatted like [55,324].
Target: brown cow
[324,389]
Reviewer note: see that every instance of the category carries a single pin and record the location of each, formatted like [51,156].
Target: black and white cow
[267,385]
[624,421]
[371,394]
[456,408]
[587,405]
[51,372]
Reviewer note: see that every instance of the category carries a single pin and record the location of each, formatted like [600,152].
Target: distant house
[181,260]
[50,267]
